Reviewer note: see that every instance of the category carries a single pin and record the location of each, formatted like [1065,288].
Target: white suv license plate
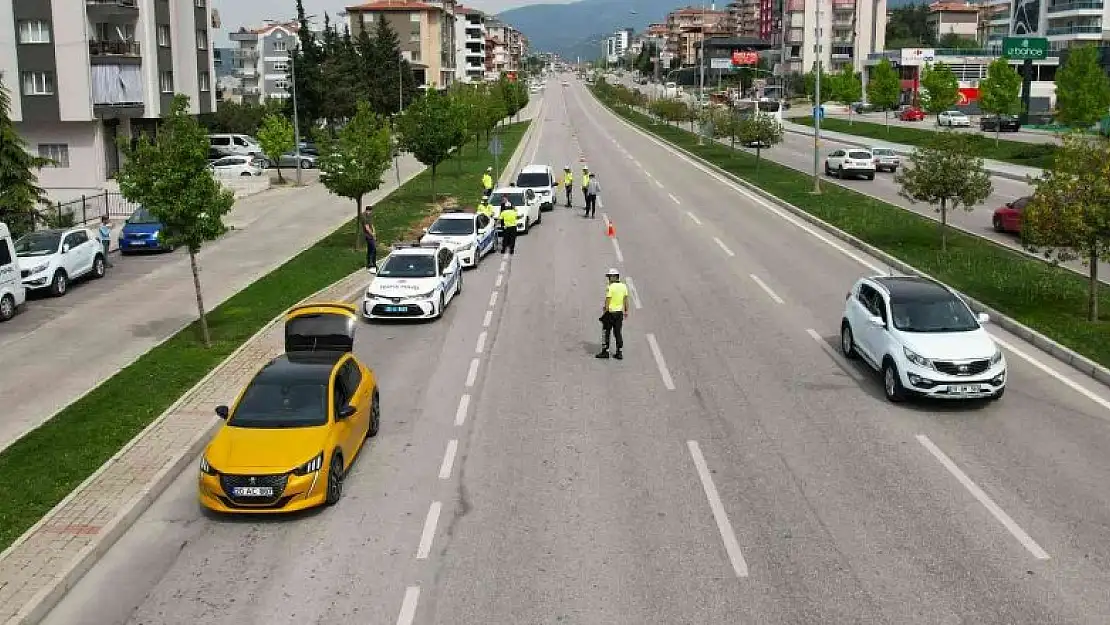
[964,389]
[252,491]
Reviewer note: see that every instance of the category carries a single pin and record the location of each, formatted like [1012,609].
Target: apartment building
[260,61]
[745,18]
[470,44]
[506,48]
[954,18]
[82,73]
[993,23]
[426,32]
[687,27]
[849,30]
[617,44]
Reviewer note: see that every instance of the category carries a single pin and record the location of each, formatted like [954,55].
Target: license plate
[963,389]
[252,491]
[396,309]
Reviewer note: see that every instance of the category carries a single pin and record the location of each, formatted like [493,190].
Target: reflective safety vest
[585,180]
[485,209]
[508,217]
[487,181]
[568,179]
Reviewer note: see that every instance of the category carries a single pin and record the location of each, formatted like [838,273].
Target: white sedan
[469,235]
[415,282]
[953,119]
[236,166]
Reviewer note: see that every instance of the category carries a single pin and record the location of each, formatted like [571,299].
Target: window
[414,56]
[279,46]
[452,227]
[34,31]
[414,38]
[414,18]
[57,152]
[280,66]
[202,40]
[352,376]
[5,253]
[164,35]
[200,4]
[281,403]
[165,82]
[205,82]
[77,238]
[281,84]
[38,83]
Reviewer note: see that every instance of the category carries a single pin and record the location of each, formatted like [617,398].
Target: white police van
[469,235]
[12,291]
[416,281]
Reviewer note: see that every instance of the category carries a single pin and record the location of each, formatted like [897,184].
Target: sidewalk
[37,570]
[996,168]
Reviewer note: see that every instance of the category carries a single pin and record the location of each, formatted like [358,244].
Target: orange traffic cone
[612,230]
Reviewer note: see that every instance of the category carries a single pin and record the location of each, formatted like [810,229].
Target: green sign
[1025,48]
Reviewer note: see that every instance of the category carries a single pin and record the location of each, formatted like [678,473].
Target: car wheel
[375,416]
[828,172]
[458,283]
[306,164]
[7,308]
[60,284]
[335,480]
[246,173]
[847,342]
[997,223]
[871,176]
[892,383]
[99,267]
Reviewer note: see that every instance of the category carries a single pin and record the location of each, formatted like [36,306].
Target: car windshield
[452,227]
[932,315]
[409,266]
[955,114]
[142,216]
[516,198]
[860,155]
[38,244]
[882,152]
[282,404]
[533,180]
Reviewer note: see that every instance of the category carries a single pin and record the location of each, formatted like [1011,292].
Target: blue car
[141,233]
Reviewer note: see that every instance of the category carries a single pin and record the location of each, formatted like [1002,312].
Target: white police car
[469,235]
[525,201]
[416,281]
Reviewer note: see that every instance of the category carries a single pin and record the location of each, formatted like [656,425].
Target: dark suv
[994,123]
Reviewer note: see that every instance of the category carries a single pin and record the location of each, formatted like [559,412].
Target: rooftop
[954,7]
[393,5]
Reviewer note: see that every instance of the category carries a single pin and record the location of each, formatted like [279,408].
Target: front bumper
[931,383]
[40,280]
[397,308]
[291,493]
[133,245]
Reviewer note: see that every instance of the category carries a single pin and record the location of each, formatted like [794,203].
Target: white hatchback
[850,162]
[541,179]
[526,202]
[236,166]
[923,338]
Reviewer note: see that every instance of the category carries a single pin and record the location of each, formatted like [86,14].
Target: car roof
[911,287]
[532,169]
[301,367]
[510,190]
[457,216]
[416,251]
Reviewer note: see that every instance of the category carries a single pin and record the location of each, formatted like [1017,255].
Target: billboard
[967,95]
[917,56]
[745,58]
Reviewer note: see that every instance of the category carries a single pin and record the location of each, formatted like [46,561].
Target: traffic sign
[1025,48]
[495,146]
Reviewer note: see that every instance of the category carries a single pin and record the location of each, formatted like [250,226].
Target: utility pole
[817,109]
[783,26]
[701,72]
[296,117]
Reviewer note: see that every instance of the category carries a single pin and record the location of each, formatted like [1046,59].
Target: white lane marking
[630,157]
[501,269]
[732,547]
[657,183]
[481,343]
[488,319]
[500,279]
[605,218]
[493,299]
[429,533]
[635,294]
[472,374]
[1058,376]
[448,459]
[460,412]
[694,217]
[835,355]
[676,201]
[408,606]
[636,162]
[660,363]
[617,249]
[984,499]
[767,289]
[721,244]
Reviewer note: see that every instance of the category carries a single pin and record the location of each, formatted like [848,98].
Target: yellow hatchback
[294,431]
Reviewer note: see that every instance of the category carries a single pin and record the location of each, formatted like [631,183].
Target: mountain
[579,28]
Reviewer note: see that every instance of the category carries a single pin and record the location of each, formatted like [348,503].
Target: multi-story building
[506,48]
[1066,23]
[850,30]
[83,73]
[688,26]
[261,61]
[425,30]
[993,23]
[470,44]
[954,18]
[617,44]
[745,18]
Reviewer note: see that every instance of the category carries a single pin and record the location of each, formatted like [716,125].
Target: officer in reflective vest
[585,181]
[613,313]
[568,182]
[508,219]
[484,208]
[487,180]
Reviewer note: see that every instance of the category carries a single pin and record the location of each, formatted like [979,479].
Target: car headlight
[917,359]
[39,268]
[427,295]
[465,248]
[997,357]
[207,468]
[311,466]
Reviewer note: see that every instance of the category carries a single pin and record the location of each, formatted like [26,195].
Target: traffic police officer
[487,180]
[568,182]
[585,181]
[484,208]
[508,219]
[613,313]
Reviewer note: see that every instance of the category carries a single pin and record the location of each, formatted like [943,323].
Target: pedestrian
[568,183]
[487,181]
[508,217]
[613,313]
[585,180]
[366,221]
[104,235]
[593,189]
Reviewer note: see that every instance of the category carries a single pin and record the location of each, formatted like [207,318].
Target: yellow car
[294,431]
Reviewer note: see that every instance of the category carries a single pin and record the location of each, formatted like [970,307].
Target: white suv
[923,338]
[51,259]
[526,202]
[541,180]
[850,162]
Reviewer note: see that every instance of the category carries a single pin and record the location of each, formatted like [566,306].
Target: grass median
[1049,299]
[40,469]
[1037,155]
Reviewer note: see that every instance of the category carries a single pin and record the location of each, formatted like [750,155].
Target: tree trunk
[204,335]
[277,165]
[358,220]
[1093,285]
[433,184]
[886,120]
[758,154]
[849,114]
[943,225]
[997,131]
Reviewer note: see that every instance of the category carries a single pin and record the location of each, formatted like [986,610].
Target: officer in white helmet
[613,313]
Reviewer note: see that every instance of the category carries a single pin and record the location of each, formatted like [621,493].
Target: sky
[236,13]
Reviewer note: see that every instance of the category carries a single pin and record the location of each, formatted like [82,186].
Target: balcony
[1079,6]
[103,10]
[117,91]
[126,52]
[1087,29]
[245,55]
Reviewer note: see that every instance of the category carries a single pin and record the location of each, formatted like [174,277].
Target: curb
[1061,353]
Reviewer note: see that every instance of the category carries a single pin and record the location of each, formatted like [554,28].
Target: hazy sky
[236,13]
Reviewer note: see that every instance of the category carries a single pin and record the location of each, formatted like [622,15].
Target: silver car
[886,159]
[308,161]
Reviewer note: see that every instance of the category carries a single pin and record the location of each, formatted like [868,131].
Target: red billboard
[745,58]
[967,95]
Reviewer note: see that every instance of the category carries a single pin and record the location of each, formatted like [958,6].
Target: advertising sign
[918,56]
[725,63]
[745,58]
[967,95]
[1025,48]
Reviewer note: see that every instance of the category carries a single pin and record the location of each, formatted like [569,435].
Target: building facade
[425,31]
[506,48]
[470,45]
[954,18]
[260,61]
[84,73]
[687,27]
[838,33]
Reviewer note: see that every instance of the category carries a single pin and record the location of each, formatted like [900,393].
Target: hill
[579,28]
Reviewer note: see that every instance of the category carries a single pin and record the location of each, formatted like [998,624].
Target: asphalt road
[729,470]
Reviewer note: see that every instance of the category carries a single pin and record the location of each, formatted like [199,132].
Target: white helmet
[612,273]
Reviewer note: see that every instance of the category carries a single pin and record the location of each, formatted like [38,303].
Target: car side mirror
[222,412]
[984,318]
[346,412]
[877,322]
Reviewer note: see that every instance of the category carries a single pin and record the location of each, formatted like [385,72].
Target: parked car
[864,107]
[1004,123]
[1007,218]
[236,166]
[886,159]
[142,232]
[854,162]
[12,292]
[953,118]
[51,259]
[307,161]
[911,114]
[243,145]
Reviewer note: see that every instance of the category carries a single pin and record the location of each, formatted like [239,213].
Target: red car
[1008,218]
[911,114]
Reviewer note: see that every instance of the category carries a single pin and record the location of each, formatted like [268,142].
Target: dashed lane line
[448,459]
[460,412]
[766,289]
[724,247]
[660,363]
[724,526]
[429,533]
[693,217]
[408,606]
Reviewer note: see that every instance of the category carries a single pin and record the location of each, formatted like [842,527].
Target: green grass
[1051,300]
[1037,155]
[40,469]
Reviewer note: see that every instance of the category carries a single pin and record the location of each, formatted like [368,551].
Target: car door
[836,159]
[346,430]
[89,248]
[485,230]
[867,334]
[72,259]
[1011,219]
[360,399]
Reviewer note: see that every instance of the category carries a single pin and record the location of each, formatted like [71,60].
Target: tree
[19,183]
[429,129]
[463,100]
[241,118]
[955,41]
[353,164]
[277,137]
[1069,215]
[884,88]
[1082,89]
[761,131]
[340,73]
[940,90]
[848,87]
[307,60]
[1000,91]
[943,173]
[394,85]
[811,85]
[171,178]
